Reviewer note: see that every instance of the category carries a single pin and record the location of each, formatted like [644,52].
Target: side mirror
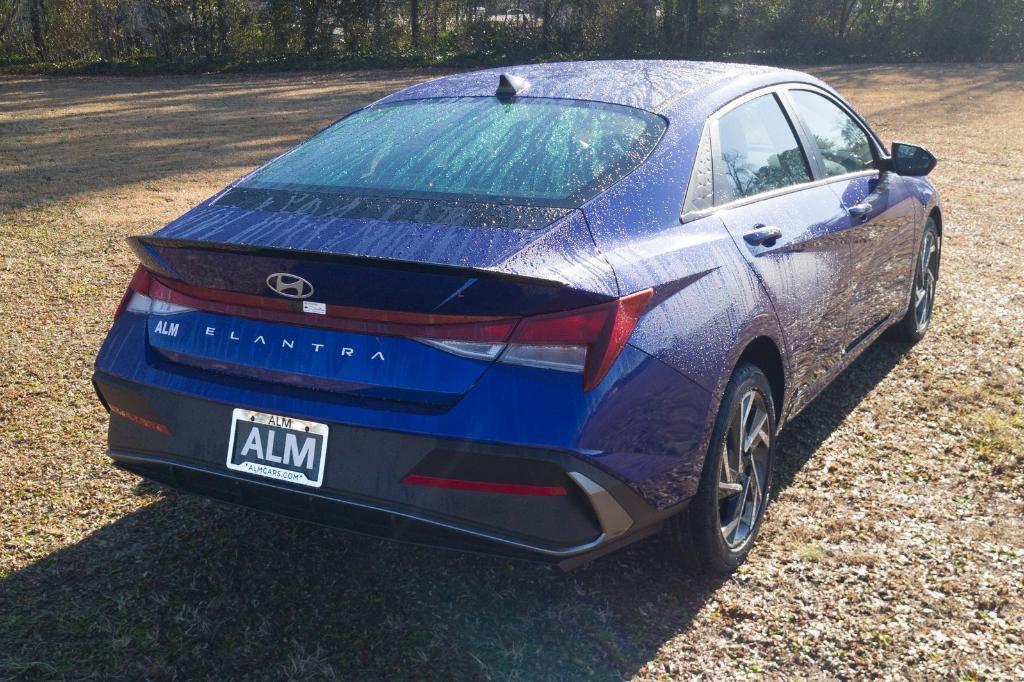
[909,159]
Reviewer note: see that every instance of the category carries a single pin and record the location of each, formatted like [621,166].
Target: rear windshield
[531,151]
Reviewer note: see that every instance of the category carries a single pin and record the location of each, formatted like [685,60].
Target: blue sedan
[541,312]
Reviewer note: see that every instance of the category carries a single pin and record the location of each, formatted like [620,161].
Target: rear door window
[757,151]
[842,142]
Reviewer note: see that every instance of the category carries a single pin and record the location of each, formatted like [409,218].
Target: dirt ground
[895,547]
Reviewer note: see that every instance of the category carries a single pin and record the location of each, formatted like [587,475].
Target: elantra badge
[290,286]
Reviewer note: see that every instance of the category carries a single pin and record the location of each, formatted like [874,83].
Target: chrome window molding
[782,191]
[781,90]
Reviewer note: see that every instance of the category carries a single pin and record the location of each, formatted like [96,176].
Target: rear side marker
[484,486]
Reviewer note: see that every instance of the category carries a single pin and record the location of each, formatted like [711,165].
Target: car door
[877,204]
[789,228]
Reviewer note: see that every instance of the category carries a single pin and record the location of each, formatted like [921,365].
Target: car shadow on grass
[188,588]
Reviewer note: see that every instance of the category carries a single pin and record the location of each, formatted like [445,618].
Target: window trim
[690,197]
[780,90]
[764,196]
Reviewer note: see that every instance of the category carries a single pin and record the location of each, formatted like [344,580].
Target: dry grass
[895,547]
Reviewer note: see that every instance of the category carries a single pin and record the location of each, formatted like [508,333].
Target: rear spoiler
[358,281]
[153,262]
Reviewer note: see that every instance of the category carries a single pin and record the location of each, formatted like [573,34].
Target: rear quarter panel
[707,303]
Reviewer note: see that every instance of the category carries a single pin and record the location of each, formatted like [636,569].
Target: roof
[645,84]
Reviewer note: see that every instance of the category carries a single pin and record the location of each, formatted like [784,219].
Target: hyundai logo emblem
[290,286]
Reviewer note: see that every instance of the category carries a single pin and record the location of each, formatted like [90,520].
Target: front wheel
[918,317]
[715,533]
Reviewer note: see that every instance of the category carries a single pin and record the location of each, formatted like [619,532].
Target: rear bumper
[363,490]
[359,516]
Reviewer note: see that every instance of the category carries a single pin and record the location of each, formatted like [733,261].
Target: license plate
[282,448]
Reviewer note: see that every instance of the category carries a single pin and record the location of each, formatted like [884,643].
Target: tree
[414,20]
[545,24]
[222,27]
[8,13]
[692,24]
[36,13]
[310,19]
[184,30]
[668,27]
[844,12]
[281,18]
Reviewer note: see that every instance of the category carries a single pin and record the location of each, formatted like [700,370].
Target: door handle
[762,235]
[861,211]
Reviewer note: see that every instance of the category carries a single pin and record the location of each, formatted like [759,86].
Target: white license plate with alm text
[282,448]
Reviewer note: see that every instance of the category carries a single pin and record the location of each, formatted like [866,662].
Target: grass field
[895,546]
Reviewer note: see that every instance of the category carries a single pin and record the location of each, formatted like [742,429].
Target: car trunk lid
[319,302]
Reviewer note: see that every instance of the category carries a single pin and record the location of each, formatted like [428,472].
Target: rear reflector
[584,339]
[484,486]
[141,421]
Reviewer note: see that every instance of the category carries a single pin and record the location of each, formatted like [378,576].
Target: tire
[918,317]
[700,536]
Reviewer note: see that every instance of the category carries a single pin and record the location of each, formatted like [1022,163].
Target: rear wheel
[918,317]
[717,530]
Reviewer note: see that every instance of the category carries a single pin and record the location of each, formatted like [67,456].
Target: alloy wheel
[744,473]
[924,282]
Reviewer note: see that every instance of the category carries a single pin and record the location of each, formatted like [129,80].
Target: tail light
[586,340]
[137,298]
[138,284]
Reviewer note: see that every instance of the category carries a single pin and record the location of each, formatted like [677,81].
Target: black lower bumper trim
[353,515]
